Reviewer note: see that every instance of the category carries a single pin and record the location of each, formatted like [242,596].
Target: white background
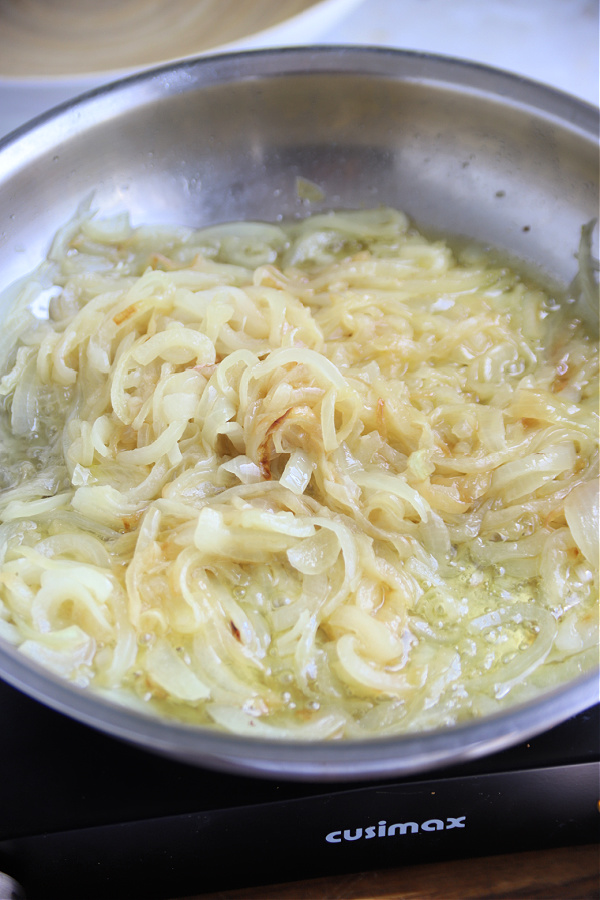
[552,41]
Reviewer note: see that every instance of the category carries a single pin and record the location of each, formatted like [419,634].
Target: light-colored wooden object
[562,873]
[57,38]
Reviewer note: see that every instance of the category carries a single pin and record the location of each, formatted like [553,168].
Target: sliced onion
[169,671]
[582,515]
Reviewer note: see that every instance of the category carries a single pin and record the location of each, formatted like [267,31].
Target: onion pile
[320,479]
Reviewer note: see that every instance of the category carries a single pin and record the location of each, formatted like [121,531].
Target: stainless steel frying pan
[461,148]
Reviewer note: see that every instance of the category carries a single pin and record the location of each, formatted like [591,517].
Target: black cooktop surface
[77,805]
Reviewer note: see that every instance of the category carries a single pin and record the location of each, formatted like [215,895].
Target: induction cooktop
[83,815]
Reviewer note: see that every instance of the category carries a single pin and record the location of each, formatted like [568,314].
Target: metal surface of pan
[462,149]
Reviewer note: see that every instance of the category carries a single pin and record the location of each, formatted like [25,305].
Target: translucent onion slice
[169,671]
[320,727]
[582,514]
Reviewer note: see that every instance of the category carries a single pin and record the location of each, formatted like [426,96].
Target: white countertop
[552,41]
